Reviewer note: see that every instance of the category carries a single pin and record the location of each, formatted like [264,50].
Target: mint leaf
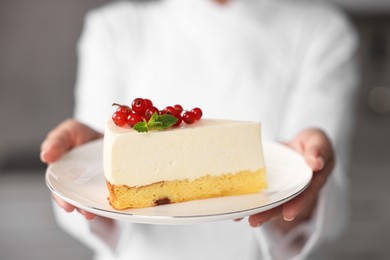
[141,127]
[156,122]
[153,120]
[167,120]
[161,122]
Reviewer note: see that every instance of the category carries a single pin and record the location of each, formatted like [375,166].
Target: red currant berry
[178,108]
[179,119]
[198,113]
[169,110]
[139,106]
[133,119]
[132,112]
[119,118]
[189,117]
[124,109]
[149,103]
[150,111]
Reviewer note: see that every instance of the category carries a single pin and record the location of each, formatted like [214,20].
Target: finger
[305,202]
[299,205]
[53,148]
[314,158]
[63,204]
[65,136]
[258,219]
[70,208]
[86,214]
[57,142]
[315,147]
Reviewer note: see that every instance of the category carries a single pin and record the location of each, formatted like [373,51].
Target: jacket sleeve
[96,79]
[322,96]
[97,72]
[101,235]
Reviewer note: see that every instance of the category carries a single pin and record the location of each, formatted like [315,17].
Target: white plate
[78,179]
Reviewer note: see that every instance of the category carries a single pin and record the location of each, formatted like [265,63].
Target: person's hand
[317,151]
[65,136]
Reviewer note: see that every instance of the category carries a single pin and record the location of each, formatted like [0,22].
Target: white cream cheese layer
[207,147]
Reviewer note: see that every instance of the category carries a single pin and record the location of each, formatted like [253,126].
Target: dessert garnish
[143,116]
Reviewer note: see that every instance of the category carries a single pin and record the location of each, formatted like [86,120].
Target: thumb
[314,158]
[315,147]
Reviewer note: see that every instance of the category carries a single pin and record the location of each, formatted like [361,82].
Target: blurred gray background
[37,74]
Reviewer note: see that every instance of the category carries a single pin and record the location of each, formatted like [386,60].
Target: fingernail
[43,156]
[257,225]
[322,162]
[288,218]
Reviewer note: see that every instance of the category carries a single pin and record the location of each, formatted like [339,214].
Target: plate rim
[174,219]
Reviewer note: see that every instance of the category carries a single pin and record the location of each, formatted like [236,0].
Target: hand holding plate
[67,135]
[315,147]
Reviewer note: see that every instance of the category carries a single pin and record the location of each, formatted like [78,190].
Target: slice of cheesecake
[210,158]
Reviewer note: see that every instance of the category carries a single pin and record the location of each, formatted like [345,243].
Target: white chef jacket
[288,64]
